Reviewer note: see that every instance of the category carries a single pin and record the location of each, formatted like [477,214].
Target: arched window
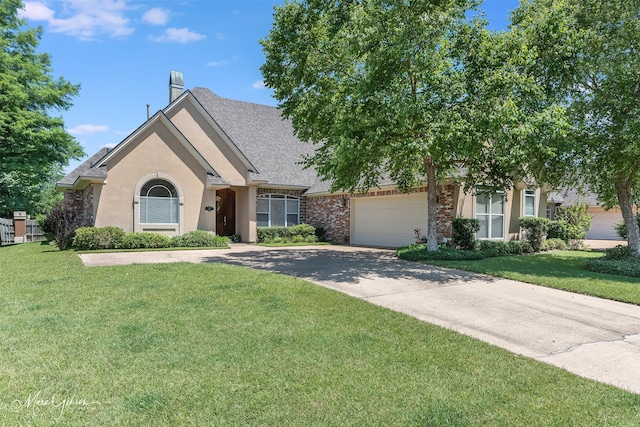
[159,203]
[275,210]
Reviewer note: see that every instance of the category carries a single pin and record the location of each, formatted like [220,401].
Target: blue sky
[121,53]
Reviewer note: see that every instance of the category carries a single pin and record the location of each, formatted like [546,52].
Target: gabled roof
[265,138]
[96,166]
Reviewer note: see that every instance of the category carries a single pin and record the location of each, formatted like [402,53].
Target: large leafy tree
[585,56]
[402,90]
[34,146]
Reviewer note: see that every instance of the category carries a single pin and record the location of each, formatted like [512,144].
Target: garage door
[388,221]
[603,223]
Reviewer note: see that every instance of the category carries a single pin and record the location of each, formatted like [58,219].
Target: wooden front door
[225,212]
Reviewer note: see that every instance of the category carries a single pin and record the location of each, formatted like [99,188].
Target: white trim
[137,225]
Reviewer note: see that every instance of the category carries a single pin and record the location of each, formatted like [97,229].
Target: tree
[585,55]
[406,90]
[34,146]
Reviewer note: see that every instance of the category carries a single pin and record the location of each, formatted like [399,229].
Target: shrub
[300,232]
[578,218]
[558,230]
[555,244]
[419,252]
[60,225]
[618,252]
[494,247]
[92,238]
[535,231]
[621,267]
[621,228]
[144,241]
[464,230]
[199,239]
[519,247]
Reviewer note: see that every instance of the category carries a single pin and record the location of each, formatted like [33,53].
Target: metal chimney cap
[176,78]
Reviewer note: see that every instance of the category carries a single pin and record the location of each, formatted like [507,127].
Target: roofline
[79,179]
[159,117]
[212,122]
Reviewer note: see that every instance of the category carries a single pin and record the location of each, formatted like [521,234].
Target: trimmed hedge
[199,239]
[296,234]
[93,238]
[555,244]
[486,249]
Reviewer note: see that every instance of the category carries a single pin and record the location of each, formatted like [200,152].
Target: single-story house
[603,222]
[225,166]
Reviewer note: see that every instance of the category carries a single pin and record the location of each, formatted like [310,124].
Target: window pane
[159,210]
[482,203]
[529,206]
[263,205]
[277,213]
[483,233]
[497,227]
[263,220]
[292,219]
[497,205]
[292,206]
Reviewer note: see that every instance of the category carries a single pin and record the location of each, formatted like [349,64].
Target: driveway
[588,336]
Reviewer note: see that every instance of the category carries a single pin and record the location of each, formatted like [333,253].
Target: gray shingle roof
[265,138]
[86,169]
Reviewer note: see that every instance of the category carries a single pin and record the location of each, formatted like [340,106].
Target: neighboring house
[210,163]
[603,221]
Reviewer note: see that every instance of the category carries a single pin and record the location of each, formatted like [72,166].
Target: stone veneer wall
[334,215]
[80,202]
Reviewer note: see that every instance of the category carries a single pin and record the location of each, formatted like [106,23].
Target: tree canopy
[401,90]
[34,146]
[585,57]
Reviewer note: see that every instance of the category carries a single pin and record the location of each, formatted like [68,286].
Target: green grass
[214,344]
[560,270]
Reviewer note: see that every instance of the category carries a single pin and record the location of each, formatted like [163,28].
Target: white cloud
[87,129]
[36,11]
[109,145]
[84,19]
[178,35]
[223,62]
[259,85]
[156,16]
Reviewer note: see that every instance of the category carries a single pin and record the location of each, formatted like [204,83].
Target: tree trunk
[633,231]
[432,205]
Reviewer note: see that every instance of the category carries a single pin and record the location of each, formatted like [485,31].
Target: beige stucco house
[225,166]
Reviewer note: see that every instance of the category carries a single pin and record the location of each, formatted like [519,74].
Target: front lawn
[560,270]
[214,344]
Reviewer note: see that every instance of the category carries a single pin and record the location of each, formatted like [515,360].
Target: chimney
[176,85]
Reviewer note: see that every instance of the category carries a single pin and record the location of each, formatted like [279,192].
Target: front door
[225,212]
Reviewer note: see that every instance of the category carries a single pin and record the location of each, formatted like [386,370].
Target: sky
[121,52]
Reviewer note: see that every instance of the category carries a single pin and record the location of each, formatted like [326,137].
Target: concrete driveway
[588,336]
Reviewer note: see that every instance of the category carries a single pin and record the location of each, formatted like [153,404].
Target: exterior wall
[246,213]
[333,212]
[465,207]
[154,152]
[208,143]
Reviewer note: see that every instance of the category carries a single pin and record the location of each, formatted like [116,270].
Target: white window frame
[529,194]
[286,198]
[490,215]
[173,203]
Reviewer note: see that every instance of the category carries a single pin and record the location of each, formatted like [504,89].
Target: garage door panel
[388,221]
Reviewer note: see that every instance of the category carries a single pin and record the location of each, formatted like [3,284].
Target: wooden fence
[33,231]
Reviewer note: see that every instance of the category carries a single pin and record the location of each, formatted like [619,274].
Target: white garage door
[603,223]
[388,221]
